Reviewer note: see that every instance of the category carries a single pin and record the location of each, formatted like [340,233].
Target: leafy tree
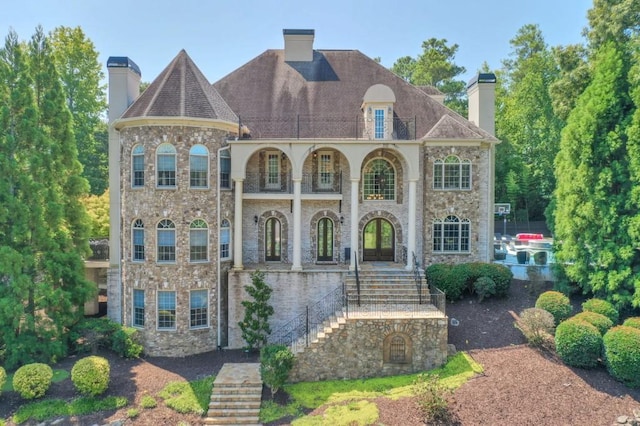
[98,210]
[43,233]
[435,67]
[81,72]
[276,362]
[255,324]
[573,78]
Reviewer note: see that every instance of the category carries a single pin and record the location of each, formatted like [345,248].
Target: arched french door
[272,240]
[325,240]
[378,240]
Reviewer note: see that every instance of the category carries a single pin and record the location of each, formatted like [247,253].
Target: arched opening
[378,241]
[272,240]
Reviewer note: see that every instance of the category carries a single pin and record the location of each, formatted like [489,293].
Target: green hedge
[125,342]
[578,343]
[556,303]
[632,322]
[90,375]
[93,333]
[622,354]
[602,307]
[599,321]
[32,381]
[454,280]
[3,378]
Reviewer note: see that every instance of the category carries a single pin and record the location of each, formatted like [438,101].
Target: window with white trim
[379,181]
[379,124]
[166,165]
[199,167]
[451,235]
[138,308]
[198,309]
[166,310]
[198,241]
[137,240]
[452,173]
[225,169]
[225,239]
[273,170]
[166,241]
[325,170]
[137,166]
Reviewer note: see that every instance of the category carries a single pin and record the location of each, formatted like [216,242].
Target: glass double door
[378,241]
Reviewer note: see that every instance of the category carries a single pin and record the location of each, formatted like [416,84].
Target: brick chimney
[481,92]
[298,45]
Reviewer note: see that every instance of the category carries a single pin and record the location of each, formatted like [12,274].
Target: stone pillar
[411,227]
[297,223]
[237,234]
[355,237]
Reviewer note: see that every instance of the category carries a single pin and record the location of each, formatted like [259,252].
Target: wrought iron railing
[417,277]
[394,306]
[99,249]
[355,258]
[297,332]
[256,183]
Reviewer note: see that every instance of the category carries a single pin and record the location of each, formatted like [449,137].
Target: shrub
[441,276]
[92,333]
[622,354]
[147,401]
[455,279]
[125,342]
[90,375]
[536,324]
[556,303]
[599,321]
[632,322]
[431,398]
[484,287]
[276,362]
[32,380]
[603,307]
[578,343]
[3,378]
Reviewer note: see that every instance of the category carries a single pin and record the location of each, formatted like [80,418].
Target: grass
[188,397]
[48,408]
[310,395]
[58,376]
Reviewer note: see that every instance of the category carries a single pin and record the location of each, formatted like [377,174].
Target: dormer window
[377,106]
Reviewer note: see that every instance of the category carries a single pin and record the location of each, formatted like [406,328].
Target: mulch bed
[520,385]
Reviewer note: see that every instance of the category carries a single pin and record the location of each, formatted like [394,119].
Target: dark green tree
[81,73]
[42,223]
[257,311]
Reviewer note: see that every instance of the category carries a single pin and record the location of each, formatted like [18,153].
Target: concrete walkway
[236,395]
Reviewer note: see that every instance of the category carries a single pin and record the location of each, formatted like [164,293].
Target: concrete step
[236,396]
[238,390]
[244,421]
[236,412]
[248,404]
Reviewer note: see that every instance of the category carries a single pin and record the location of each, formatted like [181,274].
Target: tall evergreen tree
[43,224]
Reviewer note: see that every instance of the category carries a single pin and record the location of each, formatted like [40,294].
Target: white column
[237,228]
[354,222]
[297,225]
[411,227]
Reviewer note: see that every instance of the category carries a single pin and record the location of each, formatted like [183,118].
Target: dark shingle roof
[268,90]
[181,90]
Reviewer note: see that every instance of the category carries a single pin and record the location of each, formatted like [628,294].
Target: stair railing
[357,277]
[417,277]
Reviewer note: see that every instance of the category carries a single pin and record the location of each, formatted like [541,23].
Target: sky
[222,35]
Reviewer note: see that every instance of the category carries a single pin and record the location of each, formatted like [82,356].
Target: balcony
[330,183]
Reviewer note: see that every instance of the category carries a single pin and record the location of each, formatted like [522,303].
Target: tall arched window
[199,167]
[379,180]
[166,241]
[225,169]
[452,173]
[198,241]
[225,239]
[166,165]
[137,237]
[325,239]
[272,240]
[451,235]
[137,166]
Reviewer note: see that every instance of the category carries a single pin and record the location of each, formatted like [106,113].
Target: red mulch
[520,385]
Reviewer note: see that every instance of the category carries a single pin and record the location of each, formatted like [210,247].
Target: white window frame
[169,226]
[137,225]
[199,226]
[225,168]
[325,170]
[137,152]
[134,307]
[225,227]
[273,177]
[166,150]
[191,309]
[444,170]
[175,310]
[198,152]
[462,228]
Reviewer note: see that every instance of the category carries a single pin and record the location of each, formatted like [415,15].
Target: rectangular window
[325,170]
[138,170]
[138,244]
[379,124]
[166,310]
[167,170]
[451,176]
[166,246]
[138,308]
[198,171]
[273,170]
[225,243]
[198,245]
[225,170]
[198,309]
[465,176]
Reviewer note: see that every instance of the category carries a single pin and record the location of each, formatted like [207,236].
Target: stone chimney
[298,45]
[124,88]
[481,92]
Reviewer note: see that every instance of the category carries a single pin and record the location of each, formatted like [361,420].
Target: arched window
[137,166]
[272,240]
[325,239]
[198,241]
[225,169]
[199,166]
[166,165]
[137,237]
[451,235]
[166,241]
[379,180]
[452,173]
[225,239]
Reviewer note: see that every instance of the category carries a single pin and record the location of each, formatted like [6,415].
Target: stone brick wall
[360,348]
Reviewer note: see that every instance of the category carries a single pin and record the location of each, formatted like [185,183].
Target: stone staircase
[395,285]
[236,395]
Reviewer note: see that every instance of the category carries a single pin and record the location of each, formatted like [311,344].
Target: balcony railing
[312,127]
[311,184]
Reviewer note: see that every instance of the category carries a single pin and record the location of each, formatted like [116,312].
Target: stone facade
[367,348]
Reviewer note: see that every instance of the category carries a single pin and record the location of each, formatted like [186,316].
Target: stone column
[355,237]
[297,224]
[411,227]
[237,219]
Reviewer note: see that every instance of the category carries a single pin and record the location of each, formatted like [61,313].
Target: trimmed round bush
[3,378]
[32,381]
[484,287]
[622,354]
[90,375]
[603,307]
[556,303]
[632,322]
[599,321]
[578,343]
